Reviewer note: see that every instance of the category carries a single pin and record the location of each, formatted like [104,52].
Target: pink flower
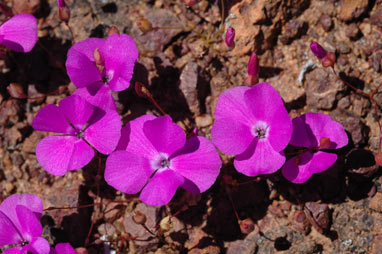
[20,225]
[81,124]
[63,248]
[253,124]
[19,33]
[314,131]
[116,57]
[154,156]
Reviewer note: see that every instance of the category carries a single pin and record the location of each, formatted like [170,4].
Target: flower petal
[102,99]
[56,154]
[39,245]
[30,224]
[64,248]
[127,172]
[119,53]
[313,127]
[231,105]
[161,188]
[300,169]
[80,64]
[8,231]
[165,135]
[135,141]
[230,136]
[104,131]
[31,201]
[77,110]
[19,33]
[267,105]
[15,250]
[259,158]
[50,118]
[199,162]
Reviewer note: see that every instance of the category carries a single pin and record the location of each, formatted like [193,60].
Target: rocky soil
[186,66]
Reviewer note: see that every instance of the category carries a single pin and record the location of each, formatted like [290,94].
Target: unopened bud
[61,3]
[16,91]
[253,65]
[64,14]
[328,60]
[144,25]
[251,80]
[166,224]
[324,143]
[318,50]
[247,226]
[230,37]
[141,90]
[139,218]
[112,30]
[190,2]
[378,158]
[97,57]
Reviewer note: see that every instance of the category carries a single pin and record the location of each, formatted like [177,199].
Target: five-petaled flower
[20,225]
[81,124]
[154,156]
[314,131]
[253,124]
[19,33]
[112,69]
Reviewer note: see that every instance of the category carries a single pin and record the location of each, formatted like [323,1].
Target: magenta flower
[314,131]
[154,154]
[19,33]
[20,225]
[114,68]
[318,50]
[81,124]
[63,248]
[253,124]
[229,37]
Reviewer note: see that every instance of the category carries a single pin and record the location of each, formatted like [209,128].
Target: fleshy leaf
[127,172]
[199,162]
[19,33]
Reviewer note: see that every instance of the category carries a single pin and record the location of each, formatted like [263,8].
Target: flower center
[24,243]
[161,162]
[80,134]
[260,130]
[164,163]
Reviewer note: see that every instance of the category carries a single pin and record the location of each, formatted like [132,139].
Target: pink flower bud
[318,50]
[253,65]
[61,3]
[229,37]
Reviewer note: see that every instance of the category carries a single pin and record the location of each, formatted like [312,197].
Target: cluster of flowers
[151,155]
[21,229]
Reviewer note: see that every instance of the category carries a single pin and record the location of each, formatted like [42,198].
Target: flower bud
[139,218]
[328,60]
[166,224]
[141,90]
[246,226]
[144,25]
[229,37]
[112,30]
[63,11]
[318,50]
[253,65]
[324,143]
[378,158]
[251,80]
[97,57]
